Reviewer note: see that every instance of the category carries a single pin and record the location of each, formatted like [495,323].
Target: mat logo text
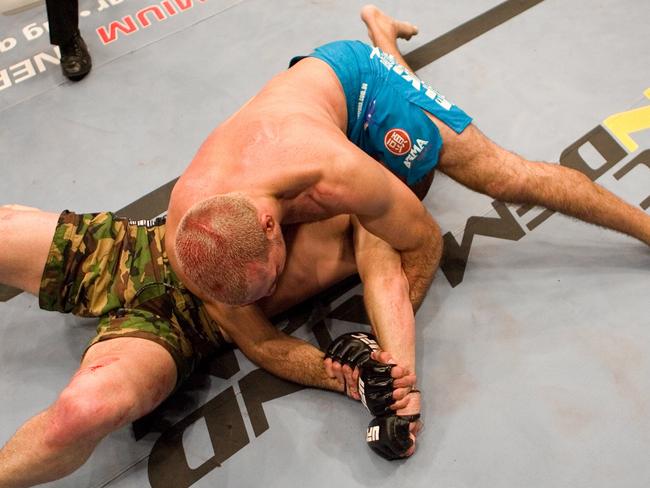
[612,142]
[143,19]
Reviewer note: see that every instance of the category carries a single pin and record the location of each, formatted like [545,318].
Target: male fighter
[152,331]
[309,146]
[333,135]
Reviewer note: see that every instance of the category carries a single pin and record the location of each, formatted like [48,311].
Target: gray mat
[532,344]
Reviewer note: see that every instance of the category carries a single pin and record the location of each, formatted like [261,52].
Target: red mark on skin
[200,226]
[96,365]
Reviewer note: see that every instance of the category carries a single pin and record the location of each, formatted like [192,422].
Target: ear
[269,224]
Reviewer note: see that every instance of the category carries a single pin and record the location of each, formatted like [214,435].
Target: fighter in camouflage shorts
[100,265]
[152,331]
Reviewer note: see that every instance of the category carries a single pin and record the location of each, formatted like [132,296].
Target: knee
[87,411]
[510,178]
[13,207]
[10,213]
[511,188]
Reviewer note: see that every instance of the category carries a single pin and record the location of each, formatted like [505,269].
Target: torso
[275,145]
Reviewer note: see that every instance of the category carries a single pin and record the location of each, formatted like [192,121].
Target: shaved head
[217,240]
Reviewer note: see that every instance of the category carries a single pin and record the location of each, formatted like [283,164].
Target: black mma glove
[375,380]
[389,436]
[376,386]
[352,349]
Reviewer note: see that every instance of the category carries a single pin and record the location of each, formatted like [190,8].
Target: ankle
[70,46]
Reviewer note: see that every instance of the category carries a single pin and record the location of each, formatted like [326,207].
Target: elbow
[431,237]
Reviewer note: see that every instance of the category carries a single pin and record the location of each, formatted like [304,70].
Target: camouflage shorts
[104,266]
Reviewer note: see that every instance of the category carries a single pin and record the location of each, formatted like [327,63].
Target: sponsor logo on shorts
[397,141]
[415,152]
[388,62]
[362,97]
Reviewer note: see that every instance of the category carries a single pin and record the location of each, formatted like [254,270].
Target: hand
[352,349]
[347,352]
[343,357]
[393,436]
[398,440]
[403,379]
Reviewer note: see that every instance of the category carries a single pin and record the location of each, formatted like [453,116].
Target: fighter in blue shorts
[385,103]
[307,147]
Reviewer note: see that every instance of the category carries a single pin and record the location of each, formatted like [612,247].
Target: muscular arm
[390,308]
[273,350]
[386,296]
[390,210]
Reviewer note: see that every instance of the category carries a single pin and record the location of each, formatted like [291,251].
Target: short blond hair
[216,239]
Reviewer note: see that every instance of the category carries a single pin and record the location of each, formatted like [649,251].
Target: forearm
[294,360]
[387,301]
[390,294]
[273,350]
[420,266]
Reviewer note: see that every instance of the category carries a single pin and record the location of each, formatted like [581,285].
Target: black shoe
[75,59]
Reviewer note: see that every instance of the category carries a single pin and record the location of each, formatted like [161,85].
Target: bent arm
[386,296]
[389,303]
[387,208]
[271,349]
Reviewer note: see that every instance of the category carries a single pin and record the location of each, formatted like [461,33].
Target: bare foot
[382,27]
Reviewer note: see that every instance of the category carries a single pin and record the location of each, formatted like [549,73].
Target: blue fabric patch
[385,103]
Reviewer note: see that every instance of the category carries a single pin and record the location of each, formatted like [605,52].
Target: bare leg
[384,31]
[476,162]
[26,237]
[119,381]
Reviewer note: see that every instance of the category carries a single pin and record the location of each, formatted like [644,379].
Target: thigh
[475,161]
[159,328]
[26,239]
[129,371]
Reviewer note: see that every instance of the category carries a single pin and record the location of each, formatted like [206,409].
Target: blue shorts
[385,103]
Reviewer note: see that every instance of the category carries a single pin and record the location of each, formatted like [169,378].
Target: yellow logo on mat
[625,123]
